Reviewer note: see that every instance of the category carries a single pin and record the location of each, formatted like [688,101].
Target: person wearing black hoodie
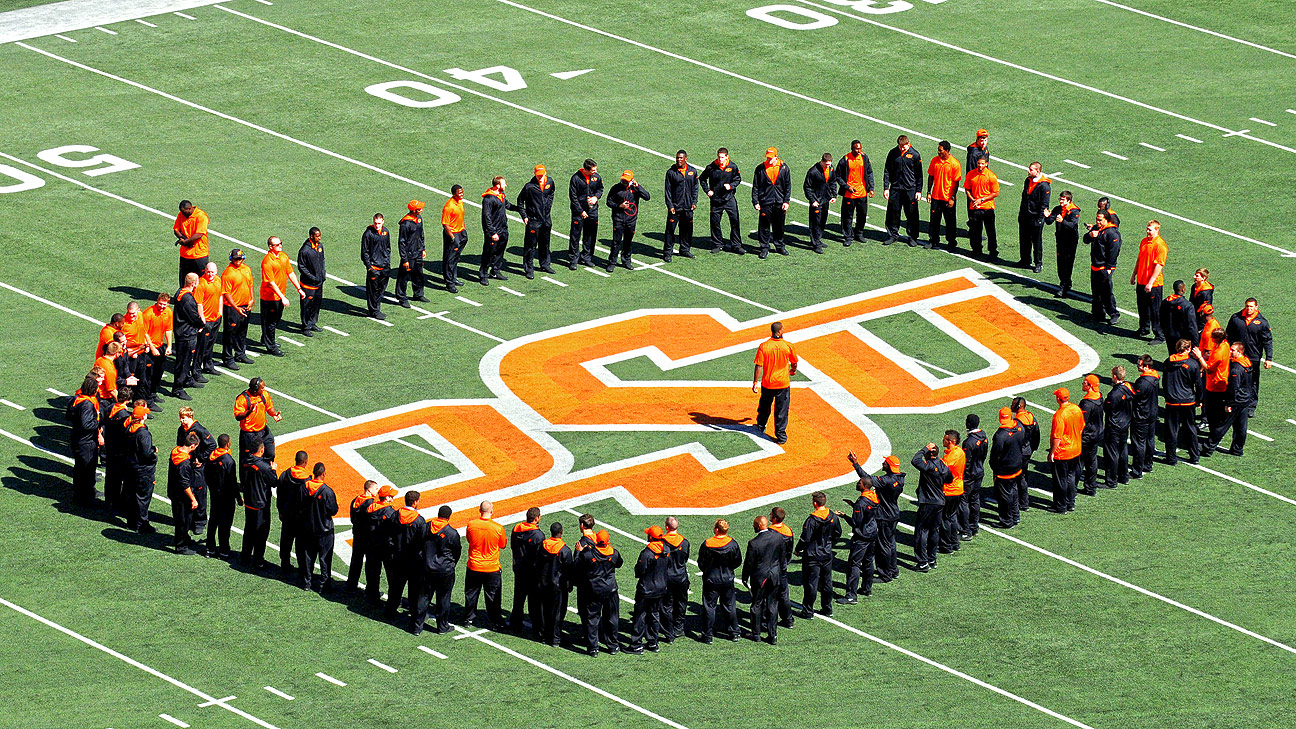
[976,446]
[258,480]
[310,273]
[650,571]
[315,531]
[291,492]
[933,474]
[815,547]
[681,202]
[1143,428]
[553,583]
[182,478]
[223,494]
[84,412]
[717,559]
[411,247]
[1006,463]
[494,220]
[889,485]
[863,526]
[375,254]
[601,616]
[1065,218]
[719,180]
[1179,381]
[675,608]
[1104,241]
[771,195]
[524,543]
[1118,412]
[583,192]
[761,573]
[441,550]
[536,202]
[1092,436]
[623,198]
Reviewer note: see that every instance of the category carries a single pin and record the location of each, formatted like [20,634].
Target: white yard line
[173,720]
[441,316]
[1077,164]
[508,290]
[568,677]
[131,661]
[47,302]
[52,391]
[431,652]
[63,37]
[1190,139]
[383,322]
[278,693]
[330,679]
[1261,436]
[186,17]
[469,302]
[145,22]
[291,341]
[1240,482]
[597,272]
[1293,422]
[338,332]
[465,634]
[105,30]
[553,281]
[383,666]
[1117,156]
[11,404]
[1262,121]
[1152,147]
[1199,29]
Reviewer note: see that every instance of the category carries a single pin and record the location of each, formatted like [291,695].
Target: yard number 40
[427,96]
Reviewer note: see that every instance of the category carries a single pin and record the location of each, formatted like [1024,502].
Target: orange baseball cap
[1062,393]
[893,463]
[140,412]
[387,492]
[1091,380]
[415,206]
[627,175]
[771,152]
[540,170]
[1206,308]
[982,133]
[654,532]
[1006,416]
[602,539]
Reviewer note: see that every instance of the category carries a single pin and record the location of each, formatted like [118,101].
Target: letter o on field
[805,19]
[440,97]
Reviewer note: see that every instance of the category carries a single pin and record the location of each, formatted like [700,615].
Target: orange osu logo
[503,448]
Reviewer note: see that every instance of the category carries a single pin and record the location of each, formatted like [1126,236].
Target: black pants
[256,530]
[310,307]
[816,581]
[474,583]
[1006,495]
[492,257]
[819,223]
[410,273]
[942,211]
[85,459]
[854,214]
[116,473]
[1143,442]
[287,540]
[359,551]
[207,344]
[1089,465]
[1065,475]
[1256,367]
[580,246]
[234,341]
[198,519]
[955,506]
[1149,310]
[248,441]
[729,208]
[452,247]
[927,532]
[141,495]
[375,559]
[1023,485]
[780,399]
[979,220]
[435,591]
[524,595]
[973,498]
[1181,421]
[1031,246]
[769,228]
[315,549]
[271,314]
[1236,420]
[721,595]
[764,608]
[155,369]
[675,608]
[1066,253]
[646,622]
[186,362]
[886,549]
[535,245]
[398,575]
[906,201]
[192,265]
[553,609]
[681,220]
[601,618]
[1104,298]
[622,238]
[860,565]
[1116,456]
[785,599]
[375,287]
[221,521]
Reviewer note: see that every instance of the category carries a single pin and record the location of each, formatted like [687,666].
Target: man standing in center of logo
[771,192]
[772,378]
[718,181]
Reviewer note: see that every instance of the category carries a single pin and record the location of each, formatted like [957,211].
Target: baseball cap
[771,152]
[386,492]
[627,175]
[602,539]
[540,170]
[140,412]
[654,532]
[415,206]
[982,133]
[236,254]
[1091,380]
[1006,416]
[1062,393]
[893,463]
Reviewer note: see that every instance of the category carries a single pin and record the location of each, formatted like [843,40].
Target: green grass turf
[1032,625]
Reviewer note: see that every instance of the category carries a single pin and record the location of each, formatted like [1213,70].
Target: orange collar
[437,524]
[494,193]
[822,512]
[218,454]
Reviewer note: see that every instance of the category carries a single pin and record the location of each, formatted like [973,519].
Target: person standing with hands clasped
[771,192]
[776,362]
[624,199]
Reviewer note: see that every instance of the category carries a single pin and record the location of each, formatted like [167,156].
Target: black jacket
[933,474]
[1255,336]
[889,487]
[258,481]
[220,476]
[599,570]
[375,249]
[1035,202]
[903,171]
[681,190]
[524,543]
[362,525]
[1146,392]
[141,453]
[580,189]
[842,176]
[1006,456]
[186,322]
[1240,393]
[818,187]
[1068,229]
[381,536]
[536,202]
[976,446]
[1104,247]
[553,566]
[116,439]
[1180,376]
[408,530]
[818,533]
[861,518]
[409,243]
[1092,407]
[767,193]
[624,199]
[206,443]
[651,568]
[319,506]
[714,178]
[717,559]
[975,153]
[441,548]
[494,215]
[181,476]
[677,571]
[1179,320]
[84,417]
[292,493]
[1118,407]
[765,559]
[310,265]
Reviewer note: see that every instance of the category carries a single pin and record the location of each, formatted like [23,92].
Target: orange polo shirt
[980,184]
[945,173]
[1152,251]
[1068,424]
[208,294]
[105,336]
[452,215]
[274,268]
[236,284]
[485,540]
[134,331]
[108,389]
[158,326]
[775,355]
[195,223]
[956,459]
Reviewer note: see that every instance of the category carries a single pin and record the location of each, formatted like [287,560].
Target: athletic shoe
[609,268]
[546,269]
[244,360]
[688,254]
[420,298]
[530,275]
[706,640]
[405,304]
[201,380]
[307,333]
[181,395]
[846,601]
[230,366]
[277,352]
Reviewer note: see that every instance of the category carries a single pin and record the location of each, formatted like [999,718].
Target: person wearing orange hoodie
[315,532]
[650,570]
[601,617]
[717,559]
[494,222]
[675,606]
[955,503]
[525,545]
[441,550]
[771,194]
[820,531]
[553,583]
[1031,215]
[291,493]
[485,540]
[1065,440]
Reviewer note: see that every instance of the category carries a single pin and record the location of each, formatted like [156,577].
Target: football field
[1167,602]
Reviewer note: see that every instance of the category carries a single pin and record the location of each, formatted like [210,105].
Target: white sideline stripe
[553,281]
[470,302]
[330,679]
[173,720]
[1181,24]
[252,354]
[1117,156]
[876,120]
[1191,139]
[278,693]
[127,659]
[47,302]
[511,291]
[431,652]
[1152,146]
[1262,121]
[1143,590]
[571,678]
[1284,368]
[1261,436]
[383,666]
[293,342]
[1049,76]
[186,17]
[1240,482]
[1291,111]
[111,32]
[20,439]
[597,272]
[145,22]
[719,291]
[265,2]
[52,391]
[146,208]
[339,332]
[384,322]
[1077,164]
[1293,422]
[442,317]
[11,404]
[69,40]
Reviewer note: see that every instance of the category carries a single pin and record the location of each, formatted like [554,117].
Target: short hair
[1066,194]
[186,412]
[722,150]
[1183,345]
[192,440]
[255,384]
[384,217]
[223,440]
[318,469]
[258,447]
[952,436]
[590,164]
[902,139]
[679,152]
[495,181]
[1218,335]
[972,421]
[125,393]
[555,529]
[368,485]
[1104,200]
[1018,403]
[164,298]
[722,526]
[456,189]
[819,498]
[112,348]
[1180,287]
[760,522]
[1205,273]
[1252,300]
[533,514]
[185,204]
[301,458]
[312,231]
[776,328]
[1146,362]
[1101,214]
[777,515]
[1118,373]
[1155,223]
[1035,164]
[191,279]
[586,521]
[411,497]
[89,385]
[942,144]
[273,240]
[826,157]
[672,523]
[444,512]
[117,318]
[855,142]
